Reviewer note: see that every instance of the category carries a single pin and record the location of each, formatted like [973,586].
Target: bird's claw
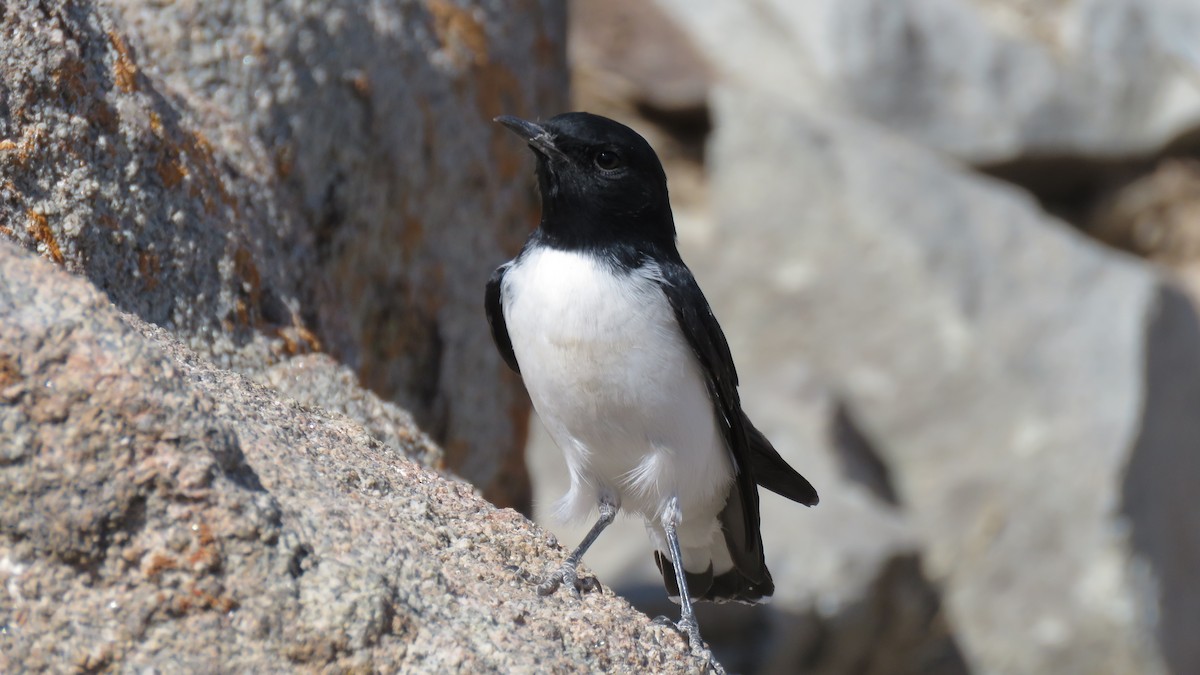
[691,630]
[565,575]
[554,580]
[587,584]
[711,661]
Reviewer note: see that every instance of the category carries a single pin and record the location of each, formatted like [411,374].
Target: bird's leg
[687,617]
[565,574]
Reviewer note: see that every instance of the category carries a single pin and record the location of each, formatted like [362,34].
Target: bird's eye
[608,160]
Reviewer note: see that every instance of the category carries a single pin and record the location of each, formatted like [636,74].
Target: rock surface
[986,80]
[1008,368]
[267,179]
[317,381]
[1157,216]
[157,512]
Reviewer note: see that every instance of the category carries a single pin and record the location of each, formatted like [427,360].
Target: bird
[629,370]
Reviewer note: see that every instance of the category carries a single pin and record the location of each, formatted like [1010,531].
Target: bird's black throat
[602,186]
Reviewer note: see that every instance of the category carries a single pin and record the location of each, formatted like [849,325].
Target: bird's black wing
[494,305]
[775,474]
[740,518]
[755,460]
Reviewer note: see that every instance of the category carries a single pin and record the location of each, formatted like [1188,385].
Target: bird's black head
[601,183]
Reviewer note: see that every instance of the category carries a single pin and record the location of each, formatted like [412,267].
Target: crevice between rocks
[1141,204]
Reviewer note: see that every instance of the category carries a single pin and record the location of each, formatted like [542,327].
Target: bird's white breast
[616,384]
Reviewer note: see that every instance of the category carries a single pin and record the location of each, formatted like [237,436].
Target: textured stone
[316,380]
[159,513]
[267,179]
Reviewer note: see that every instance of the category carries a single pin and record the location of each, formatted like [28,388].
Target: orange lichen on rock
[168,163]
[206,600]
[159,563]
[204,558]
[170,169]
[204,534]
[70,78]
[9,373]
[149,266]
[27,146]
[125,71]
[298,340]
[200,154]
[40,230]
[459,32]
[241,312]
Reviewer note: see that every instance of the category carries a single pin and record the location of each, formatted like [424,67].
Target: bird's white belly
[616,384]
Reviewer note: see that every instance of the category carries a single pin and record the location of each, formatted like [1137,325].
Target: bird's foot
[564,575]
[691,630]
[710,661]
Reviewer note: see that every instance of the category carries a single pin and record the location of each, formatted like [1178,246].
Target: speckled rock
[158,512]
[317,381]
[268,179]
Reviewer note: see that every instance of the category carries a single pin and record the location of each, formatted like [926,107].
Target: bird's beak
[536,135]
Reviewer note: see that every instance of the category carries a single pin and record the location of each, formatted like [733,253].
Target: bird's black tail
[748,581]
[732,586]
[773,472]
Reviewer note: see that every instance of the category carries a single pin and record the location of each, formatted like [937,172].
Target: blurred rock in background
[985,81]
[998,410]
[1156,216]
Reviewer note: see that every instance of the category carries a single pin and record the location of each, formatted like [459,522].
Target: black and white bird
[629,370]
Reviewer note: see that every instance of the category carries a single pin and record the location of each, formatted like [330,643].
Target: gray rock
[1011,375]
[267,179]
[378,119]
[982,80]
[317,381]
[159,513]
[626,50]
[1157,217]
